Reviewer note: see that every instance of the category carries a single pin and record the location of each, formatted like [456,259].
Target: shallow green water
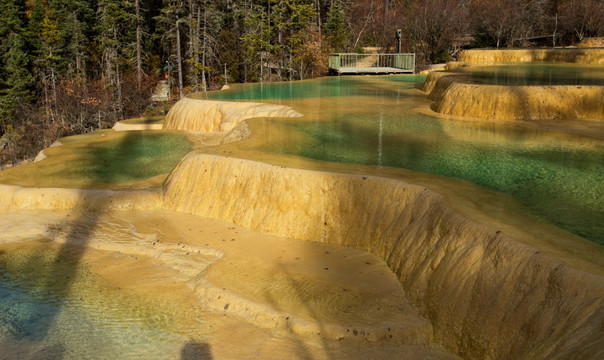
[534,74]
[341,86]
[138,156]
[562,183]
[41,319]
[559,177]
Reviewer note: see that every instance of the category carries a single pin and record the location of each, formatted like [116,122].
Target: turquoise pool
[534,74]
[374,121]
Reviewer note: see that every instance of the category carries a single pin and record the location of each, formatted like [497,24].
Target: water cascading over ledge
[487,296]
[453,96]
[210,115]
[569,55]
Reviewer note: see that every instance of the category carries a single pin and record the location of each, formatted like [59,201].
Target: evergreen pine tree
[336,28]
[115,29]
[15,79]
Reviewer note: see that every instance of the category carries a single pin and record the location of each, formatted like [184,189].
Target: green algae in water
[137,156]
[340,86]
[41,317]
[562,183]
[534,74]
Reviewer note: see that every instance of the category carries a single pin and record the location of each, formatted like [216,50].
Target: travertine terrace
[210,115]
[455,96]
[326,261]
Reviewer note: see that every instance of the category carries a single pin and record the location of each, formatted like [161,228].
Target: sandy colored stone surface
[74,165]
[486,296]
[209,115]
[453,96]
[522,102]
[570,55]
[592,42]
[169,263]
[121,126]
[472,271]
[16,197]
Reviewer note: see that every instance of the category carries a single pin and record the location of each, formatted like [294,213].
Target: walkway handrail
[404,61]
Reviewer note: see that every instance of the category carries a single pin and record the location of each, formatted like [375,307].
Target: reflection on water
[558,176]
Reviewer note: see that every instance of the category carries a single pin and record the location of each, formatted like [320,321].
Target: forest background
[72,66]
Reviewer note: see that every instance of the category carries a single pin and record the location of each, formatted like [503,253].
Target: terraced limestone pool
[157,283]
[103,159]
[384,122]
[533,74]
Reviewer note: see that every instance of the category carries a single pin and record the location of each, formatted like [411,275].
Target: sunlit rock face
[592,42]
[472,288]
[16,197]
[495,102]
[454,94]
[208,115]
[570,55]
[486,296]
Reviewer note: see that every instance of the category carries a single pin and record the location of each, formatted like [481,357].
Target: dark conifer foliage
[72,66]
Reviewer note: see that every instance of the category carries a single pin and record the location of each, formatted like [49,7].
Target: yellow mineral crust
[592,42]
[16,197]
[209,115]
[486,296]
[454,97]
[570,55]
[123,126]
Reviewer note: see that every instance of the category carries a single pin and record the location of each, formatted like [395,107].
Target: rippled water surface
[374,121]
[41,318]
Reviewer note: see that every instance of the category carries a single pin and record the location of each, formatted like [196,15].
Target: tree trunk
[179,60]
[269,37]
[196,49]
[204,84]
[139,65]
[318,4]
[120,107]
[191,28]
[118,84]
[554,34]
[245,62]
[78,58]
[118,87]
[54,91]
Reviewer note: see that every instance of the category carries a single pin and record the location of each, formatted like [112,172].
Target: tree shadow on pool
[54,272]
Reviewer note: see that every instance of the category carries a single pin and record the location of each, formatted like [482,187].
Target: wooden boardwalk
[372,63]
[372,70]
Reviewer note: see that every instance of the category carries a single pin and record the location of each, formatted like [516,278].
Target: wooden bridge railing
[351,61]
